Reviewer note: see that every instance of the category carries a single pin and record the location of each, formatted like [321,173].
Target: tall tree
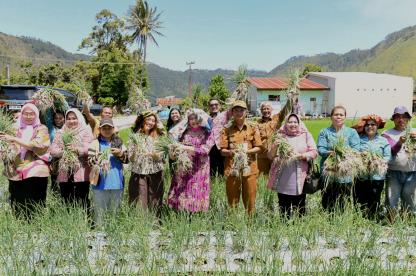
[143,21]
[108,33]
[217,89]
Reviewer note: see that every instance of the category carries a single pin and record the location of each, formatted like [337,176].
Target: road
[124,121]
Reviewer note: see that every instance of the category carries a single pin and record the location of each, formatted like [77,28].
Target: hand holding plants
[116,152]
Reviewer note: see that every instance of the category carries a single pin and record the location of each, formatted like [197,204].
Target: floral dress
[190,191]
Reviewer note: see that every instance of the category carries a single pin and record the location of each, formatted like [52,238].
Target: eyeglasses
[367,125]
[213,104]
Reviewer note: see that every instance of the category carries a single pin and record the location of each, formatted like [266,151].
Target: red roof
[277,83]
[168,101]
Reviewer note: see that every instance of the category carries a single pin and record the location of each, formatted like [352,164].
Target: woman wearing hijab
[190,190]
[288,179]
[28,175]
[367,190]
[146,181]
[74,188]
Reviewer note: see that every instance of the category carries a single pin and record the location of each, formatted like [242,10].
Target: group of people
[210,141]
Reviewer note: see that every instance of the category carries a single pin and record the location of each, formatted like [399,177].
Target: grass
[60,241]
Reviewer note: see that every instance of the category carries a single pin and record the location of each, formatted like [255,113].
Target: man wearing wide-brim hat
[401,176]
[244,181]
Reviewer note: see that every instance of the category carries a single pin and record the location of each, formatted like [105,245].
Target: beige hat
[240,104]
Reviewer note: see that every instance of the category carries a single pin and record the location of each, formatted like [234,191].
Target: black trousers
[288,204]
[27,195]
[54,184]
[367,193]
[216,161]
[76,193]
[335,195]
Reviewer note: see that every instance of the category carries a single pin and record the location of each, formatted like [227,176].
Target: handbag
[313,179]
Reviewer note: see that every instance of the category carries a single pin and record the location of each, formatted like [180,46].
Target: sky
[222,33]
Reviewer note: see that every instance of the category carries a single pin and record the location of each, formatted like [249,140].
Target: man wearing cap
[241,132]
[401,177]
[107,187]
[267,126]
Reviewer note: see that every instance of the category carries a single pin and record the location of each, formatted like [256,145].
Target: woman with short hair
[336,192]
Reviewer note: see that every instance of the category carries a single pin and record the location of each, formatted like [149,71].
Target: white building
[365,93]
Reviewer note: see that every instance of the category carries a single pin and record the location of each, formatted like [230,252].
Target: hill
[396,54]
[32,47]
[164,82]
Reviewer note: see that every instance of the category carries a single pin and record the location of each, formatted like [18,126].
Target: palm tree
[144,23]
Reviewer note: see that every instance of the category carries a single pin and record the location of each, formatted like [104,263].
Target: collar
[245,124]
[264,120]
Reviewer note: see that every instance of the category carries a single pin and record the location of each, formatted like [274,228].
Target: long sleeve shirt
[378,145]
[400,160]
[327,139]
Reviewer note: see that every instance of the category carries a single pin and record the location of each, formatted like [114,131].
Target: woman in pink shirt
[288,179]
[74,188]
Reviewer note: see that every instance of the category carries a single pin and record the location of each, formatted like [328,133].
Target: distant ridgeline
[396,54]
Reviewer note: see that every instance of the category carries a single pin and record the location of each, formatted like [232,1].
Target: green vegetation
[60,241]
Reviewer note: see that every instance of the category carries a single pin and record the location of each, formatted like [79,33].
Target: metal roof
[354,75]
[278,83]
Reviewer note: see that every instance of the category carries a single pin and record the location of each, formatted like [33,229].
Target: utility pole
[8,74]
[190,77]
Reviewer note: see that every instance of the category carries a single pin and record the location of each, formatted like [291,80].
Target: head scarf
[363,121]
[82,124]
[285,129]
[25,131]
[201,116]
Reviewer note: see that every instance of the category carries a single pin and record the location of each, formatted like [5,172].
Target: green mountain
[17,47]
[396,54]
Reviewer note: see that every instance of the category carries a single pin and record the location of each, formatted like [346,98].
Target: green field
[60,241]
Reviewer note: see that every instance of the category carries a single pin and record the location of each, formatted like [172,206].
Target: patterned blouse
[34,164]
[140,160]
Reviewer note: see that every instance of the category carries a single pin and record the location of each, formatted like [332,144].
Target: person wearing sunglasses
[368,189]
[216,159]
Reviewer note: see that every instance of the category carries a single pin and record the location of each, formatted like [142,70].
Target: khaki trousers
[247,186]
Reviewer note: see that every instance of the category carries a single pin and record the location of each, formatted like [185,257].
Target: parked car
[13,97]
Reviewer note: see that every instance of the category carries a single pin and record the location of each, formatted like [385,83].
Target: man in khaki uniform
[241,132]
[267,125]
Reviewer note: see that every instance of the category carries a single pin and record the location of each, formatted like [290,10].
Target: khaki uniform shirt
[267,126]
[232,135]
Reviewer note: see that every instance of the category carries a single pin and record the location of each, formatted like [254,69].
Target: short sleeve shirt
[232,136]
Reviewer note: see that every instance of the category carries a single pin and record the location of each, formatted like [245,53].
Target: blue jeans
[105,201]
[401,185]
